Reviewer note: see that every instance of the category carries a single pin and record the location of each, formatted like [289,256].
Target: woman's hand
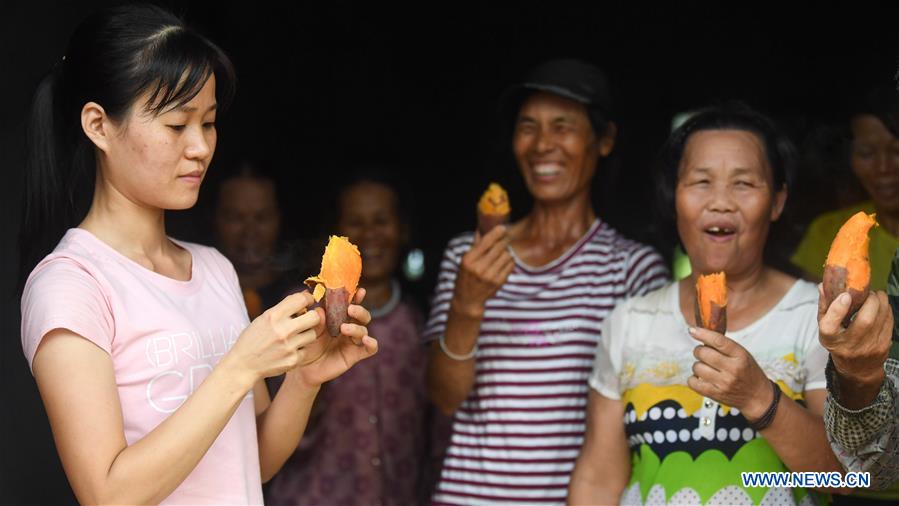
[326,357]
[483,271]
[727,373]
[274,342]
[860,350]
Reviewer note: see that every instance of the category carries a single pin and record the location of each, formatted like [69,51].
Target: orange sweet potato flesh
[847,268]
[711,302]
[337,281]
[493,208]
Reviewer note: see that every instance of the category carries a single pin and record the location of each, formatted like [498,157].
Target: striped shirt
[517,435]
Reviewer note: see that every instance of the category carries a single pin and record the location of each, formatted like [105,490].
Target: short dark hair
[382,174]
[882,102]
[257,170]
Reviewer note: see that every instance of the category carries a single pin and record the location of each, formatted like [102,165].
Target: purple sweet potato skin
[717,317]
[835,283]
[487,222]
[336,305]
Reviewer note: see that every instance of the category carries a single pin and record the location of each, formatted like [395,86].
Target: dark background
[328,85]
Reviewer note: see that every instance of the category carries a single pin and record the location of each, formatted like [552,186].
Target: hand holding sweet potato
[337,281]
[711,302]
[493,209]
[847,268]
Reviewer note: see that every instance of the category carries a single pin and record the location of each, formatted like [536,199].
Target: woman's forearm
[593,485]
[797,436]
[603,467]
[152,468]
[281,426]
[450,380]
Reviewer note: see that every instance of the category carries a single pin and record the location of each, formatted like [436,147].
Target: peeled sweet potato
[337,281]
[493,208]
[847,268]
[711,302]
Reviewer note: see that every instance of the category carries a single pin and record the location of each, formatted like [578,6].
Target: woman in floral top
[367,441]
[677,413]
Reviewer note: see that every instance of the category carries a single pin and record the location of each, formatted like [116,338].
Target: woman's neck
[377,292]
[750,294]
[130,228]
[558,224]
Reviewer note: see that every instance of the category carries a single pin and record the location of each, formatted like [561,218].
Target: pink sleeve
[61,294]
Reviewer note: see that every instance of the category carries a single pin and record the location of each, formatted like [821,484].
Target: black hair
[599,119]
[779,150]
[384,175]
[258,170]
[882,102]
[115,56]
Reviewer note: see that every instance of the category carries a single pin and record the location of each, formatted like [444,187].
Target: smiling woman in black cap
[516,315]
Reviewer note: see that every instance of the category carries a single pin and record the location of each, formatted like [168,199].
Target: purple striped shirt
[517,435]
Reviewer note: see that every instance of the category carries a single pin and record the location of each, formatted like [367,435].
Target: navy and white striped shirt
[517,435]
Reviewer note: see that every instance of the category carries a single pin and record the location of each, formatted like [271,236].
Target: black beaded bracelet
[768,417]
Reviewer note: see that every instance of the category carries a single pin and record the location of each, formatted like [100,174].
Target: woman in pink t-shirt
[151,373]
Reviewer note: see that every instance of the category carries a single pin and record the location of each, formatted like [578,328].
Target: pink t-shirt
[164,337]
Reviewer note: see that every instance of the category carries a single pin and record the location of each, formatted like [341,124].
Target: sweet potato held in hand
[493,208]
[711,302]
[847,268]
[337,281]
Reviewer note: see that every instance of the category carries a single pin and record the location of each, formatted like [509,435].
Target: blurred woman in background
[369,436]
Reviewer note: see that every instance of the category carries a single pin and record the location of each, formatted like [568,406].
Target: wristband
[452,355]
[766,419]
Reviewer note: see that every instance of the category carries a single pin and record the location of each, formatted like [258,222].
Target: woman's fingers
[496,252]
[370,344]
[360,314]
[355,353]
[303,339]
[702,387]
[711,357]
[887,324]
[831,322]
[867,315]
[354,332]
[479,250]
[493,267]
[822,301]
[294,303]
[504,270]
[490,239]
[705,371]
[307,321]
[720,342]
[867,340]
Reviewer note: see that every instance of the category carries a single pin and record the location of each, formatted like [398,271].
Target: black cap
[568,78]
